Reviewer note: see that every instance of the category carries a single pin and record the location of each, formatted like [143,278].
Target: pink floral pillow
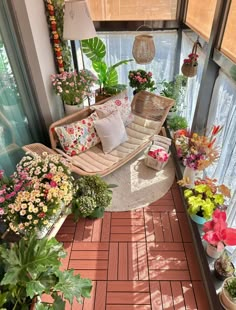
[79,136]
[122,105]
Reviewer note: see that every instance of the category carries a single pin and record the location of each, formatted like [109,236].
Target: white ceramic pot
[189,173]
[225,298]
[70,109]
[212,251]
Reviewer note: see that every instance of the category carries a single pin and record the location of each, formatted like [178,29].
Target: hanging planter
[144,49]
[190,65]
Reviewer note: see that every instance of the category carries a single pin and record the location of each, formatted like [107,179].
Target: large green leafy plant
[92,196]
[95,50]
[31,268]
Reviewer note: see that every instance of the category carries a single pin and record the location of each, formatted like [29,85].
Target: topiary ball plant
[92,196]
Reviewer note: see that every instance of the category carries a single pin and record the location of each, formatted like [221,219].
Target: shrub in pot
[31,268]
[92,196]
[177,122]
[228,293]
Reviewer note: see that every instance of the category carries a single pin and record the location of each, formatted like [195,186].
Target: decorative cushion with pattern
[79,136]
[121,104]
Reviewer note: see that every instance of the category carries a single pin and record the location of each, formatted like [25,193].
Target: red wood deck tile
[127,222]
[189,298]
[113,262]
[179,206]
[97,229]
[156,299]
[124,298]
[134,214]
[159,235]
[89,255]
[170,275]
[149,226]
[184,227]
[88,230]
[128,237]
[64,237]
[69,222]
[166,227]
[75,305]
[162,246]
[200,293]
[89,303]
[128,286]
[67,230]
[168,264]
[65,261]
[106,226]
[123,262]
[168,195]
[167,299]
[88,264]
[194,268]
[167,255]
[174,223]
[132,261]
[92,274]
[128,229]
[100,299]
[142,261]
[128,307]
[178,297]
[90,246]
[79,233]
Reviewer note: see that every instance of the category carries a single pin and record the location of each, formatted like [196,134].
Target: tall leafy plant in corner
[30,268]
[95,50]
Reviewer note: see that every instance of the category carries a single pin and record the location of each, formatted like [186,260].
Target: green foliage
[231,287]
[95,50]
[174,89]
[177,122]
[91,192]
[32,268]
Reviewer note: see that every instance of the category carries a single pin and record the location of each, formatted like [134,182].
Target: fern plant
[95,50]
[30,268]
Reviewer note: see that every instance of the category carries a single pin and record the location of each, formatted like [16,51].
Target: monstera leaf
[94,49]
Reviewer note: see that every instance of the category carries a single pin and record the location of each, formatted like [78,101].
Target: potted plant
[175,90]
[217,234]
[204,198]
[107,76]
[223,266]
[228,293]
[73,87]
[37,194]
[177,122]
[141,80]
[30,269]
[92,196]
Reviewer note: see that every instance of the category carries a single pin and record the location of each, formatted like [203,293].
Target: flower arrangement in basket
[157,155]
[73,87]
[141,80]
[36,193]
[190,65]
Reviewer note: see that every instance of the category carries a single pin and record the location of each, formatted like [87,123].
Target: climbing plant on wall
[62,53]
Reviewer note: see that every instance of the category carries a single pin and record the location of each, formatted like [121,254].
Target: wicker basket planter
[144,49]
[154,163]
[189,70]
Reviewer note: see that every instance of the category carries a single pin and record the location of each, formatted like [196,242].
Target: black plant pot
[221,274]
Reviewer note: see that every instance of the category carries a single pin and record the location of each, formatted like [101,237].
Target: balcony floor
[144,259]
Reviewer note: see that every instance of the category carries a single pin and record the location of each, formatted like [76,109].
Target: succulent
[231,287]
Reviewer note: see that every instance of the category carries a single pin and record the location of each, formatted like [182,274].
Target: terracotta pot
[225,298]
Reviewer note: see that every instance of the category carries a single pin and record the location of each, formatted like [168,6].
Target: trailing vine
[62,54]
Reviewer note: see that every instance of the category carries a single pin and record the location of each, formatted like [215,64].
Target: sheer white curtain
[223,112]
[119,47]
[193,84]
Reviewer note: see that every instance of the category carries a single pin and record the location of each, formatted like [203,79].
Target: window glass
[228,46]
[200,16]
[223,112]
[108,10]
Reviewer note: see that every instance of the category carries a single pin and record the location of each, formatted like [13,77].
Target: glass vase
[189,174]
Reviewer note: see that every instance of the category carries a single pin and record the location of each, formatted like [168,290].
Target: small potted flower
[204,198]
[228,293]
[217,234]
[141,80]
[73,87]
[157,158]
[223,266]
[92,195]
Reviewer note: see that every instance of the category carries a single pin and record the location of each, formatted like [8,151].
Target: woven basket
[154,164]
[189,70]
[143,49]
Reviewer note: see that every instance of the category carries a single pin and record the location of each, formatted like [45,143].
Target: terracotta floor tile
[142,259]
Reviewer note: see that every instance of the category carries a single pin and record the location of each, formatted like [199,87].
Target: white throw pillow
[111,131]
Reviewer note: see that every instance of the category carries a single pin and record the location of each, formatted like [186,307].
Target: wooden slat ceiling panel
[121,10]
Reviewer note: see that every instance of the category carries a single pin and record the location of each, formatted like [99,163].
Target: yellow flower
[35,210]
[29,217]
[45,222]
[35,222]
[45,209]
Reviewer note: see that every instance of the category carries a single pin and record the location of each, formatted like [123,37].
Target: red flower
[118,102]
[41,215]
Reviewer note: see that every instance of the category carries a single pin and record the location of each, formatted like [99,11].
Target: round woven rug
[139,185]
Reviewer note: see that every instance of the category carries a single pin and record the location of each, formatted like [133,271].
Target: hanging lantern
[143,49]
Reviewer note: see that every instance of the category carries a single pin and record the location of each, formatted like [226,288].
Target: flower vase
[212,251]
[189,175]
[71,109]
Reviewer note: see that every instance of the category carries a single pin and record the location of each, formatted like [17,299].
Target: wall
[34,32]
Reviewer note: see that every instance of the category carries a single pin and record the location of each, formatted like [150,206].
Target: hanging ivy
[62,53]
